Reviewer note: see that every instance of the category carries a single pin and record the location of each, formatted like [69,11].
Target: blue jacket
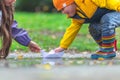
[20,35]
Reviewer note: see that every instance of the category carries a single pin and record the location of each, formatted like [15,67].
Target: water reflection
[52,61]
[4,63]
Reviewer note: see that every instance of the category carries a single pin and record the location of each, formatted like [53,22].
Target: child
[7,32]
[22,38]
[103,21]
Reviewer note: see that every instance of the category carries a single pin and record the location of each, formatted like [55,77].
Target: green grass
[47,29]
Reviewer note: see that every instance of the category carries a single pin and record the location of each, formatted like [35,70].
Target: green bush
[35,5]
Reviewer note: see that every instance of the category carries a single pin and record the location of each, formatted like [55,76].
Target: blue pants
[103,32]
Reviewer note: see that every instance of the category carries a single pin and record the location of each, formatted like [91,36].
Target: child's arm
[20,35]
[22,38]
[69,35]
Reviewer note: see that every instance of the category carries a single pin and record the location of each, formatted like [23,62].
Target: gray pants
[105,28]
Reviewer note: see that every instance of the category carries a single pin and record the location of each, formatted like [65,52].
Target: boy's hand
[59,49]
[34,47]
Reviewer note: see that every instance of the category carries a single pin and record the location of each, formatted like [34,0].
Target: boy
[103,21]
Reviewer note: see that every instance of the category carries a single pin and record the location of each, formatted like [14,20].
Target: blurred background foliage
[35,6]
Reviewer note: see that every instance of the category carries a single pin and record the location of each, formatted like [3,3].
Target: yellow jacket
[88,8]
[109,4]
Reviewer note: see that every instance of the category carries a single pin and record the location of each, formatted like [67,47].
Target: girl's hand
[59,49]
[34,47]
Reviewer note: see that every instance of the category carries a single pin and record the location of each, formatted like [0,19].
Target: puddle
[52,62]
[66,68]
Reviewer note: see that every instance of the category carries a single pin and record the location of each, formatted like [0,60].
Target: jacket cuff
[23,40]
[64,47]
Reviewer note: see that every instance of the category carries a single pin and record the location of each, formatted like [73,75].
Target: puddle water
[52,62]
[59,69]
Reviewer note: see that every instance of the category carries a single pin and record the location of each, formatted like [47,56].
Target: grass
[47,29]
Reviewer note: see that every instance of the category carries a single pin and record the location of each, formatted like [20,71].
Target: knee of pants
[107,24]
[111,19]
[94,29]
[106,19]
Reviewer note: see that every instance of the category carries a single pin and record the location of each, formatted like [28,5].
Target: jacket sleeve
[109,4]
[70,33]
[20,35]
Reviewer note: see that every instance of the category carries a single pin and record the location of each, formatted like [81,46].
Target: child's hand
[34,47]
[59,49]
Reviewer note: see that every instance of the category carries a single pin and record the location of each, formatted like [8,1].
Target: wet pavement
[70,67]
[62,73]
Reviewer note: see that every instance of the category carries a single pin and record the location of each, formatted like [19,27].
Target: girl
[7,32]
